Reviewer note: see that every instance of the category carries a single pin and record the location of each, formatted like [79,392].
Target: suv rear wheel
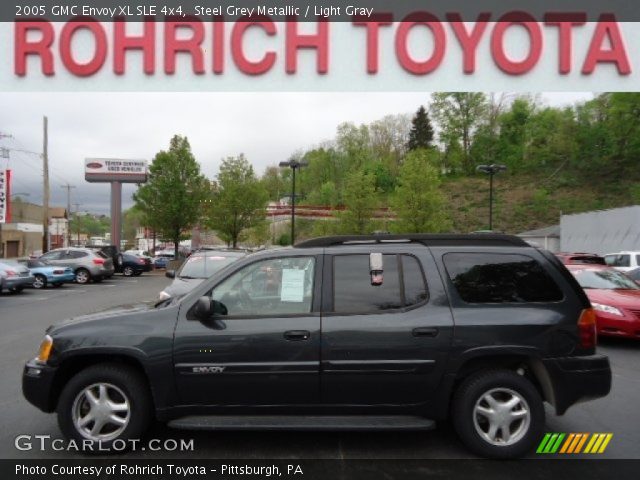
[103,404]
[82,276]
[498,414]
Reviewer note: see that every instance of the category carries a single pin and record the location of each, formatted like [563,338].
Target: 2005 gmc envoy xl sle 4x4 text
[382,332]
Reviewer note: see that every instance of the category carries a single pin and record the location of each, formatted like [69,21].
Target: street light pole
[293,165]
[491,170]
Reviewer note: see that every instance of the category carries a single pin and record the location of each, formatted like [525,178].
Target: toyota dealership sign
[115,170]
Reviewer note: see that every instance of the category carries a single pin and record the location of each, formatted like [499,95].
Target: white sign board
[292,285]
[115,170]
[4,195]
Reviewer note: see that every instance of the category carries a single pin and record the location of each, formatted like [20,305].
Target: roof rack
[429,239]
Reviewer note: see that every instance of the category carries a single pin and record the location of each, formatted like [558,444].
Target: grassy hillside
[529,201]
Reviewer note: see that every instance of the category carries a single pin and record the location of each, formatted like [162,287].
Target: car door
[266,349]
[384,344]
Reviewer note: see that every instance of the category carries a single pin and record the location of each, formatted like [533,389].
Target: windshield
[203,266]
[604,280]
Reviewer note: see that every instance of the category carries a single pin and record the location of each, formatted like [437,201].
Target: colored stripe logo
[574,443]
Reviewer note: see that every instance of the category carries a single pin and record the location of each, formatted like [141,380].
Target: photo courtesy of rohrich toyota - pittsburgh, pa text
[319,239]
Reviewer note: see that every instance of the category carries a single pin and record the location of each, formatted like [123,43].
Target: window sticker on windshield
[292,285]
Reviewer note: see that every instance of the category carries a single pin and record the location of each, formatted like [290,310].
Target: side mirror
[203,308]
[170,274]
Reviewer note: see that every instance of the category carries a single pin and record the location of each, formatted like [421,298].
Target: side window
[73,254]
[637,260]
[618,260]
[51,256]
[415,288]
[280,286]
[352,289]
[500,278]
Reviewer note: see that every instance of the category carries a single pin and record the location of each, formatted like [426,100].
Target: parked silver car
[14,276]
[87,264]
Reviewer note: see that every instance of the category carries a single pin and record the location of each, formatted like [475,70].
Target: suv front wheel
[498,414]
[103,404]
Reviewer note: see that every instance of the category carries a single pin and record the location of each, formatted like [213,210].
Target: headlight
[163,295]
[45,349]
[607,309]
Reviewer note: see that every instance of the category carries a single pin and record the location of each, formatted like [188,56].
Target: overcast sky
[266,127]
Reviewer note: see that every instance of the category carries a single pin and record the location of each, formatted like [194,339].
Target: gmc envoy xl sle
[382,332]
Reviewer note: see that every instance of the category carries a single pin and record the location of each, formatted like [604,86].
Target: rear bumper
[13,282]
[578,379]
[37,383]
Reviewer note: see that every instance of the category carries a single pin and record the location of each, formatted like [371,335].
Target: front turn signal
[45,349]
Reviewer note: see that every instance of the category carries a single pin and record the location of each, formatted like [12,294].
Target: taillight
[587,328]
[141,261]
[11,273]
[98,261]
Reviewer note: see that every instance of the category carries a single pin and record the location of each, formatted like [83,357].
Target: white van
[623,261]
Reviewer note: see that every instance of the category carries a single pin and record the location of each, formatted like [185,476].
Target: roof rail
[429,239]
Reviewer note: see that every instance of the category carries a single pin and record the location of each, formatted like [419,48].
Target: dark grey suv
[340,333]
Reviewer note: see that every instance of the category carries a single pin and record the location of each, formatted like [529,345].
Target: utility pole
[68,187]
[77,205]
[45,197]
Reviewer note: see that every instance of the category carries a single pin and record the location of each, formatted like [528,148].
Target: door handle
[425,332]
[297,335]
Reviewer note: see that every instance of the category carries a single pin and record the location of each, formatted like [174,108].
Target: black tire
[41,281]
[130,383]
[501,382]
[83,276]
[128,271]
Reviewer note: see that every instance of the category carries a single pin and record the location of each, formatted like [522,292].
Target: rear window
[587,260]
[500,278]
[99,254]
[203,266]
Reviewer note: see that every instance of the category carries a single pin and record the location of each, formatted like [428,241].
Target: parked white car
[623,261]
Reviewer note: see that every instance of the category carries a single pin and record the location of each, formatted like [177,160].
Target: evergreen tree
[421,134]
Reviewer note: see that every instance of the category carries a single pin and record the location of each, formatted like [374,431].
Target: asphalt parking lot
[24,317]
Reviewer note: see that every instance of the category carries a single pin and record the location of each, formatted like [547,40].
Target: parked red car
[580,258]
[614,297]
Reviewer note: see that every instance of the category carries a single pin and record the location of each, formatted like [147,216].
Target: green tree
[171,200]
[421,134]
[360,201]
[417,201]
[274,183]
[239,200]
[459,114]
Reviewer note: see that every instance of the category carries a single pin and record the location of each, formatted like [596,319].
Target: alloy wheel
[101,412]
[501,416]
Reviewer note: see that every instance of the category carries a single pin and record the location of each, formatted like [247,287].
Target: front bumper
[37,385]
[578,379]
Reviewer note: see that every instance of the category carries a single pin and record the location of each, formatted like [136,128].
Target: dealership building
[599,231]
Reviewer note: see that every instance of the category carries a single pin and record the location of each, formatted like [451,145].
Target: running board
[295,422]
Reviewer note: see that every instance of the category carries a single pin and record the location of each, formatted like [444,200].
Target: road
[24,317]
